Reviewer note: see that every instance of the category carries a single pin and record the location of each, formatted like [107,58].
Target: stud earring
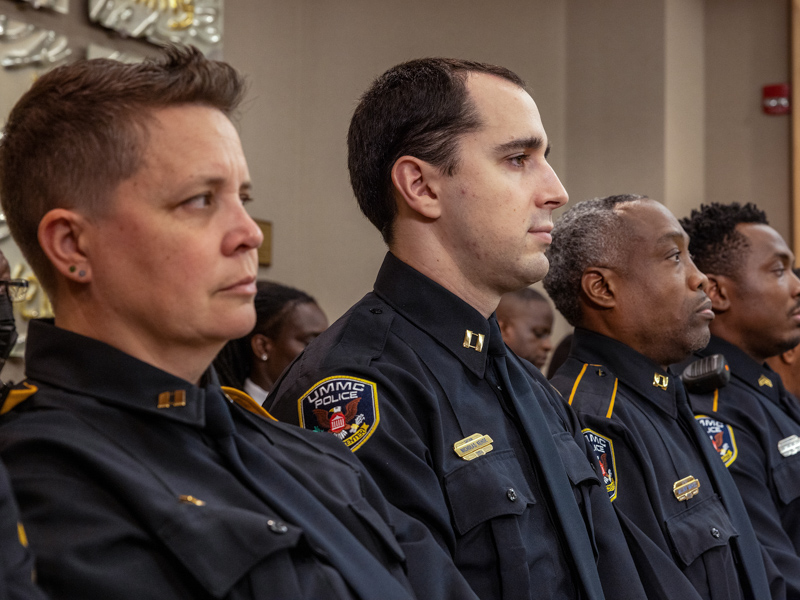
[81,273]
[264,357]
[72,268]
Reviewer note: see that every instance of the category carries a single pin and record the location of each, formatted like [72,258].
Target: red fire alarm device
[776,99]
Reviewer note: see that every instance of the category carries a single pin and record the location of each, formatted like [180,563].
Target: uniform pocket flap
[487,487]
[373,521]
[703,526]
[578,466]
[787,478]
[247,538]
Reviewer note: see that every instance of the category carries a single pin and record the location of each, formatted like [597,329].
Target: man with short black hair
[448,159]
[526,322]
[620,271]
[752,421]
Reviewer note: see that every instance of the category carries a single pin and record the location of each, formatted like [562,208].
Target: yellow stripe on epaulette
[716,398]
[23,537]
[17,396]
[575,385]
[613,398]
[246,402]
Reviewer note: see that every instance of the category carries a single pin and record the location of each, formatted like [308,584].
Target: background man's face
[662,306]
[496,209]
[765,294]
[526,328]
[175,258]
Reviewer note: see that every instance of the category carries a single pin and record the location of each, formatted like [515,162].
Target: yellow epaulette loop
[17,396]
[246,402]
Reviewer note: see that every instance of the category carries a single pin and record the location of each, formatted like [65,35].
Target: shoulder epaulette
[17,395]
[246,402]
[594,389]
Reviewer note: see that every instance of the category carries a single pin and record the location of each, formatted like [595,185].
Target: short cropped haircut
[419,108]
[273,302]
[590,234]
[82,129]
[716,246]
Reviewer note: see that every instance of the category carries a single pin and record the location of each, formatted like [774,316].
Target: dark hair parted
[590,234]
[716,246]
[82,129]
[273,303]
[419,108]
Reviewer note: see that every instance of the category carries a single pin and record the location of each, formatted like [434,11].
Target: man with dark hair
[526,322]
[621,270]
[752,421]
[448,160]
[138,476]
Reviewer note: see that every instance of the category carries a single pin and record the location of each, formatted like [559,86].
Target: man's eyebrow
[672,236]
[531,143]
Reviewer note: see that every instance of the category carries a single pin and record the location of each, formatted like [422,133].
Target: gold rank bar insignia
[473,446]
[789,446]
[686,488]
[660,381]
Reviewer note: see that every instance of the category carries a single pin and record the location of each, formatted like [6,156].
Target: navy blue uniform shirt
[630,409]
[136,485]
[16,562]
[419,385]
[752,421]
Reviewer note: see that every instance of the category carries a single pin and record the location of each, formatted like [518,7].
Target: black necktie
[747,545]
[554,475]
[253,465]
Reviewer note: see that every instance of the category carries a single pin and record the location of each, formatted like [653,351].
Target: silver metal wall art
[24,45]
[61,6]
[195,22]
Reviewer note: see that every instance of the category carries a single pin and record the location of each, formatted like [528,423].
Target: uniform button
[715,532]
[277,526]
[512,495]
[376,311]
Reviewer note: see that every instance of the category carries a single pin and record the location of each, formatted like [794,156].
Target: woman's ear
[261,346]
[415,181]
[62,238]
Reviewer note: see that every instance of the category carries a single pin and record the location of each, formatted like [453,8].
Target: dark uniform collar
[86,366]
[758,377]
[438,312]
[637,371]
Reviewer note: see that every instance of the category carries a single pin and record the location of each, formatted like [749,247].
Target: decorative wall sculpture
[195,22]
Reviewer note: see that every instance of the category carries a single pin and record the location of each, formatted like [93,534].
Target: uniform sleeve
[16,560]
[87,545]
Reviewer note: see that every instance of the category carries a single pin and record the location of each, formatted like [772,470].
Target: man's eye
[245,198]
[519,161]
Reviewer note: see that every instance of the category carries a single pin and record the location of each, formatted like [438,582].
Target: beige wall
[659,97]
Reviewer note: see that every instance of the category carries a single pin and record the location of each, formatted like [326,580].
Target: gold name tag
[473,446]
[686,488]
[789,446]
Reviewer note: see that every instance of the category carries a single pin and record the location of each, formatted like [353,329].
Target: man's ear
[261,346]
[415,182]
[62,238]
[598,285]
[718,290]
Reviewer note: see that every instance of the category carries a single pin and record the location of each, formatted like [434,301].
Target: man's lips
[542,232]
[705,309]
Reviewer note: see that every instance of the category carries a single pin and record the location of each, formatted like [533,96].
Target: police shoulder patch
[345,406]
[721,436]
[603,449]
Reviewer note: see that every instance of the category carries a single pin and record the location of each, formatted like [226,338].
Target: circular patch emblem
[721,436]
[346,407]
[603,449]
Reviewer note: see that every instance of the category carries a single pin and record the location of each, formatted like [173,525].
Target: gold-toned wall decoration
[24,45]
[61,6]
[265,250]
[195,22]
[98,51]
